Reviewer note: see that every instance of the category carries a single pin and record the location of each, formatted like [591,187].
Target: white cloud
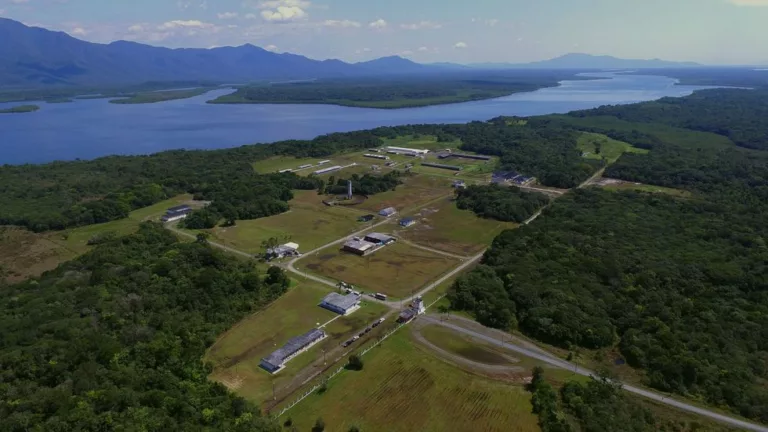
[341,23]
[284,14]
[423,49]
[2,11]
[422,25]
[78,31]
[227,15]
[378,24]
[271,48]
[406,53]
[19,1]
[492,22]
[460,45]
[749,2]
[176,24]
[274,4]
[136,28]
[251,16]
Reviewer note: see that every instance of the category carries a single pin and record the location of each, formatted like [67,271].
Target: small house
[406,222]
[379,239]
[366,218]
[341,304]
[387,212]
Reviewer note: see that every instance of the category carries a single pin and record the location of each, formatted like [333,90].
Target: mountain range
[33,57]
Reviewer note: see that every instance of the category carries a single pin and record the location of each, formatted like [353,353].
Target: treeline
[61,195]
[508,204]
[113,339]
[367,185]
[737,114]
[677,285]
[598,406]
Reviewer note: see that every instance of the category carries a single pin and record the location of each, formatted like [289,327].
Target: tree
[354,429]
[319,425]
[277,276]
[355,362]
[202,238]
[270,243]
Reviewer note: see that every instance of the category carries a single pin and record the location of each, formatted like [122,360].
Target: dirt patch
[481,355]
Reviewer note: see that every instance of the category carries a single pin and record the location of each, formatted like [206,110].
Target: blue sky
[708,31]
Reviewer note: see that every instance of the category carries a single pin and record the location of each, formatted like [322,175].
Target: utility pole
[274,397]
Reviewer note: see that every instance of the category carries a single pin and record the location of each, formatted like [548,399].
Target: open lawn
[396,270]
[310,223]
[237,353]
[24,254]
[415,191]
[279,163]
[599,147]
[444,227]
[404,388]
[649,188]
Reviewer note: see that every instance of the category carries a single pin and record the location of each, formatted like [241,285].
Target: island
[161,96]
[20,109]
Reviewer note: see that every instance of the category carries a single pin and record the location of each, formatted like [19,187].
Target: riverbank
[161,96]
[20,109]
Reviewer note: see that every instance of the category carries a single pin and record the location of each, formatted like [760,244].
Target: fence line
[336,372]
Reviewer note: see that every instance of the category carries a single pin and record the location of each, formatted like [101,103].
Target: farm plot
[415,191]
[396,270]
[237,353]
[426,393]
[444,227]
[309,223]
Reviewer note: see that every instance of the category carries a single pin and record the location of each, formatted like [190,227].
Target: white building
[277,360]
[341,304]
[404,150]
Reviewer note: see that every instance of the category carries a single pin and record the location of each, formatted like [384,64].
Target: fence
[336,372]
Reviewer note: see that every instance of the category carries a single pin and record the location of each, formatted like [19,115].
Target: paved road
[586,372]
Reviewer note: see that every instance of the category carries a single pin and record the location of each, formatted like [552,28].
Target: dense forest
[678,285]
[61,195]
[508,204]
[598,405]
[364,185]
[113,339]
[737,114]
[395,93]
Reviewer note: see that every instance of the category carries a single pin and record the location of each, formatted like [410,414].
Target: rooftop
[293,346]
[359,245]
[342,301]
[380,237]
[178,208]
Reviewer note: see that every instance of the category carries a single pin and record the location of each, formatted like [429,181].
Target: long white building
[405,150]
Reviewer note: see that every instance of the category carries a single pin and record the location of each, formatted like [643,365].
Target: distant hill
[31,56]
[588,61]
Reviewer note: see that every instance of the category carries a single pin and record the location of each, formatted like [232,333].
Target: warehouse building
[327,170]
[295,346]
[176,213]
[471,156]
[288,249]
[406,222]
[406,151]
[379,239]
[359,247]
[341,304]
[387,212]
[376,156]
[441,166]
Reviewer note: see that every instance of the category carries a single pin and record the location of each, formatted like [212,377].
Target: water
[88,129]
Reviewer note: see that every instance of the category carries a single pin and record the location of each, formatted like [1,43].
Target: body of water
[88,129]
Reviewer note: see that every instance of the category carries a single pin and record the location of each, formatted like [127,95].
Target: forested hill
[737,114]
[65,194]
[113,340]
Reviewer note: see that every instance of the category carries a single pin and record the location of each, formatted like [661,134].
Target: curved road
[553,361]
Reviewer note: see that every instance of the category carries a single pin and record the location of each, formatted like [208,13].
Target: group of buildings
[416,308]
[501,177]
[282,251]
[368,244]
[305,166]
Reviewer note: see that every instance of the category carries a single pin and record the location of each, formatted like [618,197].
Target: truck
[380,296]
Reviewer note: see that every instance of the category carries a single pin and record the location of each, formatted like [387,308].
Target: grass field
[427,142]
[24,253]
[610,149]
[396,270]
[237,353]
[444,227]
[649,188]
[279,163]
[415,191]
[451,342]
[309,223]
[405,388]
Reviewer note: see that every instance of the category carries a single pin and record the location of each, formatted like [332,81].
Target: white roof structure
[294,246]
[407,150]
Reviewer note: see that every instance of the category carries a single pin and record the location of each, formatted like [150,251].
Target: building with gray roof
[274,362]
[341,304]
[379,238]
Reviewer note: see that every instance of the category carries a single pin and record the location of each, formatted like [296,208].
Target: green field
[405,388]
[25,253]
[279,163]
[160,96]
[609,149]
[396,270]
[457,345]
[414,192]
[649,188]
[427,142]
[309,223]
[443,226]
[237,353]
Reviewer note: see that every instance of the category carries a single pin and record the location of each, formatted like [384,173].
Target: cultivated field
[444,227]
[237,353]
[609,149]
[309,223]
[415,191]
[405,388]
[396,270]
[24,253]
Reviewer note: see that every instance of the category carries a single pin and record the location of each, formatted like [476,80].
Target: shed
[406,222]
[387,212]
[379,239]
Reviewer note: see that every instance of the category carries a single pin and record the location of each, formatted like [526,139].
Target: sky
[706,31]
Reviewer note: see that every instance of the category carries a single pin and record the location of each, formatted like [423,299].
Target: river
[88,129]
